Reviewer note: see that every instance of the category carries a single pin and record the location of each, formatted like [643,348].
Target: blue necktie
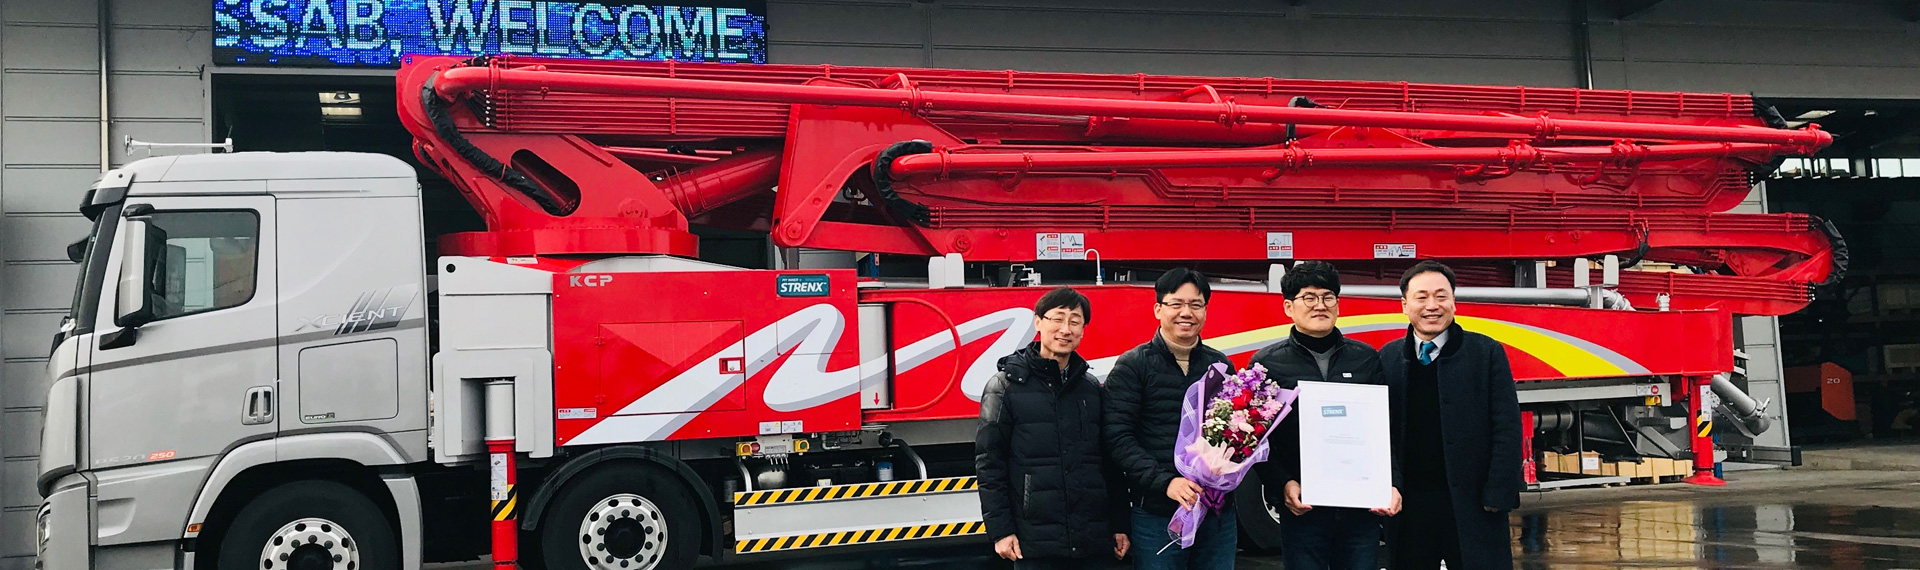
[1427,349]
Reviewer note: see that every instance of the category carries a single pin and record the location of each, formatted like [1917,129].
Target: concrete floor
[1801,518]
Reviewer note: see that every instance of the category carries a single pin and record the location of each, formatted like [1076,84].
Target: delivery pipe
[454,83]
[1510,295]
[1513,295]
[702,188]
[1516,156]
[1750,413]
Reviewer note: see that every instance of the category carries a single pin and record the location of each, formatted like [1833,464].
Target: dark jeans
[1213,545]
[1084,563]
[1425,532]
[1330,538]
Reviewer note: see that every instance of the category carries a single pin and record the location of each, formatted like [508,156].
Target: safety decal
[870,536]
[505,509]
[859,491]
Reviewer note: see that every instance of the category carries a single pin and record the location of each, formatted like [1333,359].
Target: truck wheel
[1259,523]
[621,516]
[310,525]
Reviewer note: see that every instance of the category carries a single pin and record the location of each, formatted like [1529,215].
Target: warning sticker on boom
[1394,251]
[1059,246]
[1279,245]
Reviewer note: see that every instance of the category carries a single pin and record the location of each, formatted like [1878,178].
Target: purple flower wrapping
[1208,465]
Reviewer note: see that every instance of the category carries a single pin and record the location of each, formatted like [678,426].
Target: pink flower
[1240,422]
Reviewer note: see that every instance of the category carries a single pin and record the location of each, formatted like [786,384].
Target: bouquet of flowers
[1220,437]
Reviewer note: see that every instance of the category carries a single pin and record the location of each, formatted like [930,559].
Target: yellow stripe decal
[858,491]
[828,539]
[1568,359]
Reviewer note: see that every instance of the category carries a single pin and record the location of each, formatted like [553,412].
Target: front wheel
[1259,522]
[621,516]
[310,525]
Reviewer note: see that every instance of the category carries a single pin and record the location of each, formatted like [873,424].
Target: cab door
[199,378]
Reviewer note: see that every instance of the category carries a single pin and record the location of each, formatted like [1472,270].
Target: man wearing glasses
[1046,492]
[1316,538]
[1144,395]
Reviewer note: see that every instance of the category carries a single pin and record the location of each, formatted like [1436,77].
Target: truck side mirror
[145,257]
[77,251]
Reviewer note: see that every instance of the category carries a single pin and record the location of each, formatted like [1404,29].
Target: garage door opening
[1852,357]
[337,113]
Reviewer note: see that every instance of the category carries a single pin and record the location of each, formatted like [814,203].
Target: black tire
[531,555]
[1259,528]
[638,501]
[364,528]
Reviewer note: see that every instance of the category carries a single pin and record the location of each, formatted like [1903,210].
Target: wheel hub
[623,532]
[310,544]
[1266,502]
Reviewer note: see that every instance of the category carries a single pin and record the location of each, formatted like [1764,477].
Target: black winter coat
[1288,363]
[1480,436]
[1039,458]
[1145,391]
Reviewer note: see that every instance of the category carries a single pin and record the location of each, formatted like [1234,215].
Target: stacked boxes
[1651,469]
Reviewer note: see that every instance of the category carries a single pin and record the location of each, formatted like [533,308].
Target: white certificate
[1346,454]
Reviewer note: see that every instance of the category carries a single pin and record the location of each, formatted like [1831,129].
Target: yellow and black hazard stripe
[1703,425]
[857,491]
[869,536]
[504,509]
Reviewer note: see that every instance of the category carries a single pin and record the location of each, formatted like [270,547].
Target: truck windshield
[93,270]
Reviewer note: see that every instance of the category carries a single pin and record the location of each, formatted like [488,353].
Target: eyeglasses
[1177,305]
[1329,299]
[1069,323]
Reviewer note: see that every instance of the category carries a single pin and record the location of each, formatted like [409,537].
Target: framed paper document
[1346,448]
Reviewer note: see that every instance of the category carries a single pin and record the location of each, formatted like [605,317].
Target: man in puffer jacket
[1047,495]
[1145,391]
[1316,538]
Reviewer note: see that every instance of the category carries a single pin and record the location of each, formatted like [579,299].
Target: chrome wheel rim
[310,544]
[623,532]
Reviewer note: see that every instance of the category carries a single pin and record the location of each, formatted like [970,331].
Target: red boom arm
[588,158]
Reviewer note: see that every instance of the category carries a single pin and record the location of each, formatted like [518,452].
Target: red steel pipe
[452,83]
[1513,156]
[660,155]
[716,184]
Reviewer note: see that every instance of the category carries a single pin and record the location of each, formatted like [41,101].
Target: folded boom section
[583,158]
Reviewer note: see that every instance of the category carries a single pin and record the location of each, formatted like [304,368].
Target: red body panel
[1543,343]
[667,356]
[659,356]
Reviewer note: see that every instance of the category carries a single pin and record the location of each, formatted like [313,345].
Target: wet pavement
[1763,519]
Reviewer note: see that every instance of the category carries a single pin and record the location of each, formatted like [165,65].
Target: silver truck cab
[240,317]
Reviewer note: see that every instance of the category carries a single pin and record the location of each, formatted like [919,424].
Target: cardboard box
[1549,462]
[1663,467]
[1590,462]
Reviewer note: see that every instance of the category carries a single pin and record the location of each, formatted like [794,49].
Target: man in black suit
[1456,430]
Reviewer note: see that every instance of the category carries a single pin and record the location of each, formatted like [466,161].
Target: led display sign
[376,33]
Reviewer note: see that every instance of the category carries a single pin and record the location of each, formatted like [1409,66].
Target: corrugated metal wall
[160,52]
